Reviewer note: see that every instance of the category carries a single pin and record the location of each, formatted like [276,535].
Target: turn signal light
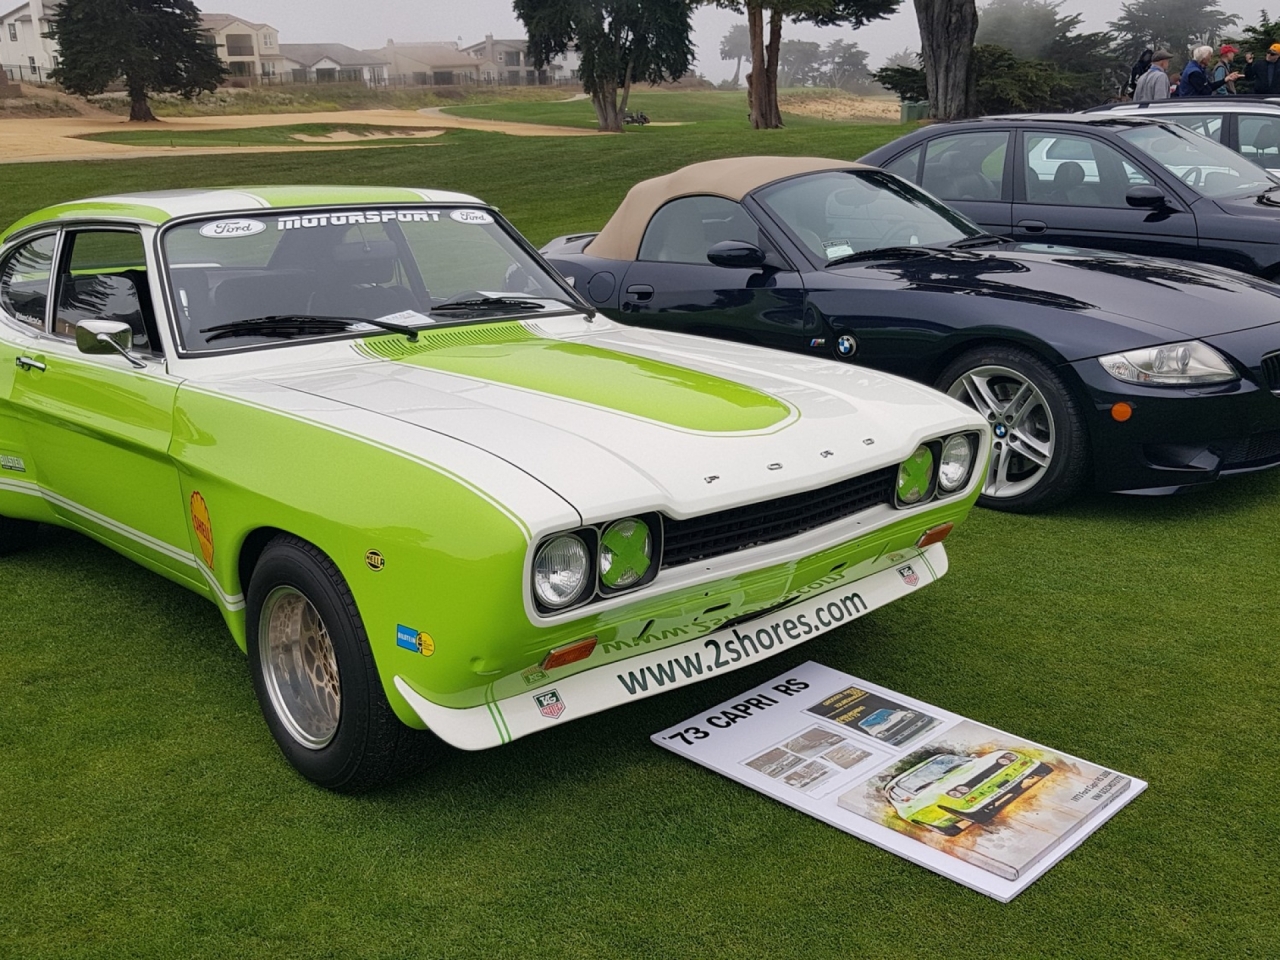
[569,653]
[1120,412]
[934,535]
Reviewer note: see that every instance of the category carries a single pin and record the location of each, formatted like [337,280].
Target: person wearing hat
[1264,76]
[1226,53]
[1154,84]
[1195,80]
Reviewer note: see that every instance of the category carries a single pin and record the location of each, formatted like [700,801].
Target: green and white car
[950,792]
[427,486]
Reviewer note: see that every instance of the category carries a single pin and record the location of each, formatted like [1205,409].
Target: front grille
[715,534]
[1255,450]
[1271,371]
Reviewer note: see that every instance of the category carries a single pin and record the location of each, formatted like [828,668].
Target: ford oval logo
[471,216]
[232,228]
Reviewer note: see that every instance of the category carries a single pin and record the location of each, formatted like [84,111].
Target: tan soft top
[732,179]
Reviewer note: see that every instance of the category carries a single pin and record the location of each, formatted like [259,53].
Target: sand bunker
[838,105]
[351,136]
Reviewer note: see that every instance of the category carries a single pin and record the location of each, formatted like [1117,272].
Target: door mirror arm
[107,336]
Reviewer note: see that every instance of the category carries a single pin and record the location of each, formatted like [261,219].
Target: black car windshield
[843,213]
[1204,165]
[284,276]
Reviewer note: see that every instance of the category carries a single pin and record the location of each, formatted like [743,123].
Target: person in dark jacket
[1195,80]
[1264,76]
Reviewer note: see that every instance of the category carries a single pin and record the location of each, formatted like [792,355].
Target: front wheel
[16,535]
[315,677]
[1039,454]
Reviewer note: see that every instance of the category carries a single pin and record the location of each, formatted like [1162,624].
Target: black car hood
[1188,300]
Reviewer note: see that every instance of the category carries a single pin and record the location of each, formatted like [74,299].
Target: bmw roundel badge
[846,346]
[1001,430]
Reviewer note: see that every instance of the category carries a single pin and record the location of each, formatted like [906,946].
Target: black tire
[370,746]
[1068,467]
[16,535]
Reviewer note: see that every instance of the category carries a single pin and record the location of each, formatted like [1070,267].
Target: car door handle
[26,363]
[640,292]
[1033,226]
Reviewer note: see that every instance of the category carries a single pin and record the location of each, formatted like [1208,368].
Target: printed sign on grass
[986,808]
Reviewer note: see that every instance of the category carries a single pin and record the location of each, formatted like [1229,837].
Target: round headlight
[626,551]
[956,462]
[915,476]
[560,570]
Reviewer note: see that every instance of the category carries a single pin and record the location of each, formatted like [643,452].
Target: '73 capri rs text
[429,488]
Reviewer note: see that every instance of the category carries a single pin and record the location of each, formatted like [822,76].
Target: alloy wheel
[1021,422]
[300,667]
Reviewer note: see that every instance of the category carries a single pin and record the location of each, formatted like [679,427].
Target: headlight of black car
[1170,365]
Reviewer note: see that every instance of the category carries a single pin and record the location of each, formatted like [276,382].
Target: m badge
[549,704]
[909,576]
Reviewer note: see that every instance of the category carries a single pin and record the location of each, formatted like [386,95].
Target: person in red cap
[1226,53]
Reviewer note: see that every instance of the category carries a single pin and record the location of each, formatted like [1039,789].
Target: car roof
[1075,119]
[161,206]
[732,178]
[1236,104]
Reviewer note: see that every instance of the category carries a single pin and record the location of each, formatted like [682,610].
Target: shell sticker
[202,526]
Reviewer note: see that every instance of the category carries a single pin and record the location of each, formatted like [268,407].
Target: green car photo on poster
[434,494]
[949,793]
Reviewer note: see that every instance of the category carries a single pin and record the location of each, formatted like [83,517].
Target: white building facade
[25,54]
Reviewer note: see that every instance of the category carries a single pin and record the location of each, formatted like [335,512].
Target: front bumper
[730,647]
[1181,437]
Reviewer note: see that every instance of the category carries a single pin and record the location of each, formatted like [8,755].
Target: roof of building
[732,179]
[49,7]
[165,205]
[309,54]
[217,21]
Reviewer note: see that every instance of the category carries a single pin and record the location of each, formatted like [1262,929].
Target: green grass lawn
[285,135]
[698,106]
[145,811]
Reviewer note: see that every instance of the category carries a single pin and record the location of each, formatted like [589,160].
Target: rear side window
[906,166]
[967,166]
[24,281]
[685,229]
[1260,139]
[1206,124]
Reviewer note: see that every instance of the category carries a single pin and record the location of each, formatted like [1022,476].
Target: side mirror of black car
[1145,195]
[736,253]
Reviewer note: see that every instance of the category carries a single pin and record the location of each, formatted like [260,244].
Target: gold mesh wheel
[300,667]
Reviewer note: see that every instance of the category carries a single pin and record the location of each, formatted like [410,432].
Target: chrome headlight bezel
[585,540]
[967,443]
[1187,363]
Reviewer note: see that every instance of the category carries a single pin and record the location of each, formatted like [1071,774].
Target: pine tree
[153,46]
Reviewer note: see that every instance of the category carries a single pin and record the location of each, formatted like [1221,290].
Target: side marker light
[1120,412]
[934,535]
[569,653]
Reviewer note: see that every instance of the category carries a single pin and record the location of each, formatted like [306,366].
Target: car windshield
[931,772]
[840,214]
[1207,167]
[281,276]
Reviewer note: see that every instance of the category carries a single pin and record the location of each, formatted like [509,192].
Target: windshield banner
[987,809]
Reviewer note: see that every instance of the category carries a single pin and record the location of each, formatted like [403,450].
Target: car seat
[1069,186]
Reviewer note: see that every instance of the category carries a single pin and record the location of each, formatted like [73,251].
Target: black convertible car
[1123,372]
[1111,181]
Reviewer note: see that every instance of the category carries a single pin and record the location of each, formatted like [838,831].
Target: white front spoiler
[622,681]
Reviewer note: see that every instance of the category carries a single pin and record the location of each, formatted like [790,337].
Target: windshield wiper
[879,253]
[300,324]
[489,303]
[968,243]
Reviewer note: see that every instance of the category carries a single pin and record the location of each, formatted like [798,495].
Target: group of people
[1198,80]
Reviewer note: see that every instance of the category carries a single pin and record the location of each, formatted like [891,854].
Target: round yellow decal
[374,560]
[426,646]
[202,526]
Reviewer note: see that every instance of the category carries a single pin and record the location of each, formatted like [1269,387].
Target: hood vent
[471,335]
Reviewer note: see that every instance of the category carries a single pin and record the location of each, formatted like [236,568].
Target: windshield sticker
[232,228]
[357,216]
[406,316]
[471,216]
[837,248]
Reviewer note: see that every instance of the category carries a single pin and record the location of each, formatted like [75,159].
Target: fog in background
[368,25]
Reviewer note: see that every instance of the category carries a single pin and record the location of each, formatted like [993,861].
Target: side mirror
[736,253]
[106,336]
[1146,196]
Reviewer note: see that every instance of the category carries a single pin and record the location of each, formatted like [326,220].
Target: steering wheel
[1192,176]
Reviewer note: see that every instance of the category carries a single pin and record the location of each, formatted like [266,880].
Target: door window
[967,166]
[1206,124]
[1260,138]
[1076,171]
[104,277]
[24,281]
[685,229]
[907,166]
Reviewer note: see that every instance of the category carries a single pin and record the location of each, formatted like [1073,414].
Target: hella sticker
[232,228]
[471,216]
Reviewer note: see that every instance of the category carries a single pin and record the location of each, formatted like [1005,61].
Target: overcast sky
[370,23]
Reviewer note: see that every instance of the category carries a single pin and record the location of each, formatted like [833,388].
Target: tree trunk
[139,109]
[947,28]
[737,72]
[605,100]
[626,92]
[755,77]
[770,113]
